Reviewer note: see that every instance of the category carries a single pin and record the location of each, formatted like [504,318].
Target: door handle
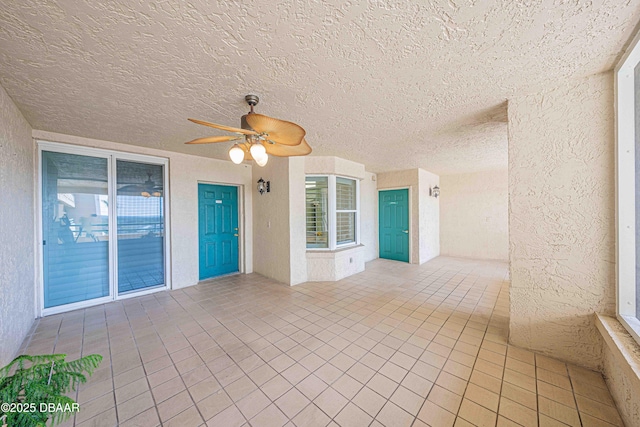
[405,231]
[235,235]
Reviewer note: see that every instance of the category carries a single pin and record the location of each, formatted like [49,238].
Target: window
[332,212]
[628,188]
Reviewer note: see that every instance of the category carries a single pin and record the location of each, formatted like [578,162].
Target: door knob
[405,231]
[235,235]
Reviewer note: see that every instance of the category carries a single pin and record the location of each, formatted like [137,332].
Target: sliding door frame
[112,157]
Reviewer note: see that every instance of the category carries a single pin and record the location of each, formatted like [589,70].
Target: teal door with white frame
[393,211]
[218,230]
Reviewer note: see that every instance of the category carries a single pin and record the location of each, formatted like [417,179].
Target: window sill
[622,345]
[337,250]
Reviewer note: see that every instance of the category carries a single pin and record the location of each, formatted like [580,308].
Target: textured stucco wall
[17,260]
[424,214]
[271,243]
[185,172]
[429,217]
[474,215]
[561,218]
[297,221]
[369,216]
[334,166]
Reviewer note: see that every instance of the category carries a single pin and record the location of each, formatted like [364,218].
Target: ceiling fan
[259,136]
[147,189]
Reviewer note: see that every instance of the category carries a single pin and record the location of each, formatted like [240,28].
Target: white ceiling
[393,84]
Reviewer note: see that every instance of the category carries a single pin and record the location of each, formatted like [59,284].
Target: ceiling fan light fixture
[262,160]
[236,154]
[258,151]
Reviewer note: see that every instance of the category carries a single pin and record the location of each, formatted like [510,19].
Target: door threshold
[235,273]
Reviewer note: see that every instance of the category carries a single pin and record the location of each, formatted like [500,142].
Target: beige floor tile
[292,402]
[558,411]
[519,395]
[598,410]
[148,418]
[518,413]
[482,397]
[434,415]
[392,415]
[311,416]
[382,385]
[271,416]
[370,401]
[230,417]
[445,399]
[331,402]
[174,405]
[407,400]
[478,415]
[387,339]
[134,406]
[189,417]
[214,404]
[353,416]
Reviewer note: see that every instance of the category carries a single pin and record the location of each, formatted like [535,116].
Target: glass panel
[75,228]
[317,201]
[140,219]
[345,227]
[345,194]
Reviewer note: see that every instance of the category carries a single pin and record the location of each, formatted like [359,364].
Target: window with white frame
[332,211]
[628,188]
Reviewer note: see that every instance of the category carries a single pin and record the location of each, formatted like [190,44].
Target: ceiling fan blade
[223,127]
[278,150]
[280,131]
[212,139]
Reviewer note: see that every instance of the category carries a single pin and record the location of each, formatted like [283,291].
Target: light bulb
[236,154]
[257,151]
[262,161]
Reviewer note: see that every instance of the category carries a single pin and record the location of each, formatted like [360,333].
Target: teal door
[218,229]
[393,210]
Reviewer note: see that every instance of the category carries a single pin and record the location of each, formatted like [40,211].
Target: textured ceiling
[393,84]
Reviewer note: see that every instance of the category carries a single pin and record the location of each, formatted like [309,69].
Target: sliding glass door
[75,228]
[140,219]
[103,226]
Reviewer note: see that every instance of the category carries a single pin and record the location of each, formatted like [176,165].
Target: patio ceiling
[391,84]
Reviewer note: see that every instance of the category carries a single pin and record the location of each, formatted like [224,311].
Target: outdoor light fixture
[434,192]
[264,186]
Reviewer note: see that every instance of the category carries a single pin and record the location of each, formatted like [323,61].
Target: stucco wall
[297,221]
[424,243]
[474,220]
[17,260]
[369,216]
[271,244]
[185,172]
[429,217]
[561,218]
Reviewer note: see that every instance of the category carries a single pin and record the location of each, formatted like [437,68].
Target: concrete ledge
[621,367]
[620,342]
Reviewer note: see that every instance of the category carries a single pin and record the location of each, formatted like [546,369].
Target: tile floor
[397,345]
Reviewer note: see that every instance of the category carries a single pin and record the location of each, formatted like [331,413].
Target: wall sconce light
[434,192]
[264,186]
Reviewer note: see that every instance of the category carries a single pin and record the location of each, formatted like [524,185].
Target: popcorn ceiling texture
[561,218]
[17,260]
[392,84]
[474,215]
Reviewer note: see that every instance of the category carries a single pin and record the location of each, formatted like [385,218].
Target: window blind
[316,202]
[345,211]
